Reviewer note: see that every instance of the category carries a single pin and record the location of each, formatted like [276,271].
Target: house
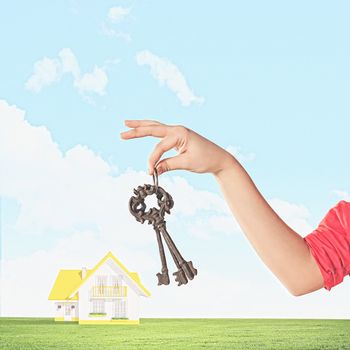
[107,294]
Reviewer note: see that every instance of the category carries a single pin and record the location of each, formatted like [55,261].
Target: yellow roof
[68,282]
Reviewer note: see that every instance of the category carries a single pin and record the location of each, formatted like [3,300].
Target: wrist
[229,165]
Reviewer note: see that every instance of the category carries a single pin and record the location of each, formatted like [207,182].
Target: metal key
[155,216]
[137,208]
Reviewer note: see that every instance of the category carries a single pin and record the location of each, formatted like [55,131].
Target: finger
[163,146]
[171,163]
[153,130]
[137,123]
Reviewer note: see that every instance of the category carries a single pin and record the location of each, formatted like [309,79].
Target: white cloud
[48,71]
[342,194]
[168,74]
[69,62]
[111,62]
[111,26]
[107,31]
[118,13]
[69,191]
[236,151]
[207,227]
[36,272]
[96,82]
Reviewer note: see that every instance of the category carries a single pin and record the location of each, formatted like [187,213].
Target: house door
[119,308]
[67,312]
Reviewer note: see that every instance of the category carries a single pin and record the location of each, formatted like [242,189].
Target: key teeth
[163,279]
[189,270]
[180,277]
[193,269]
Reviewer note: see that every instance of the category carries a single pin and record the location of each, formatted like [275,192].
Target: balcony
[108,291]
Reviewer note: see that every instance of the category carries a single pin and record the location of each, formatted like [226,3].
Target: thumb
[171,163]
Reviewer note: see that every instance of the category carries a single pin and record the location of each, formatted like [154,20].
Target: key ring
[155,179]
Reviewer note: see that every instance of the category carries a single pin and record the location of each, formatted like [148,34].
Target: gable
[132,279]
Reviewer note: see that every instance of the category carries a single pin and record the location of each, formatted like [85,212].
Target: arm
[283,250]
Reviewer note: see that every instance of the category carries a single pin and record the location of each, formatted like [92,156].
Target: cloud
[118,13]
[210,294]
[52,192]
[79,199]
[93,82]
[208,227]
[168,74]
[111,26]
[107,31]
[69,62]
[236,151]
[342,194]
[35,273]
[48,71]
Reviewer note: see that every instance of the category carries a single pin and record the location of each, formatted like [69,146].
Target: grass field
[41,333]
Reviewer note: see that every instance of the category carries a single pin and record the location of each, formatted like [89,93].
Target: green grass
[45,334]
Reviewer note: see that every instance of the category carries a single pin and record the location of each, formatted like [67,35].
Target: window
[98,306]
[116,280]
[100,284]
[101,280]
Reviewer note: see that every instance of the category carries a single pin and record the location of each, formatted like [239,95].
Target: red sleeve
[329,244]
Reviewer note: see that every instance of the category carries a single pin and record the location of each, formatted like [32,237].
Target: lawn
[41,333]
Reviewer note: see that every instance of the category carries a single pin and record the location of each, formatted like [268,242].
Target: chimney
[83,272]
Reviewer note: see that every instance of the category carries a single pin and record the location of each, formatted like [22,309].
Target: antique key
[155,217]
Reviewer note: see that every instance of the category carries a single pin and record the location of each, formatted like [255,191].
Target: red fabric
[330,244]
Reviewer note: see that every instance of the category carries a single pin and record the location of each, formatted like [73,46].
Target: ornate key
[155,216]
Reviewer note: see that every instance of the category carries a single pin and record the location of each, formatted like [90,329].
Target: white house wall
[60,312]
[132,298]
[133,305]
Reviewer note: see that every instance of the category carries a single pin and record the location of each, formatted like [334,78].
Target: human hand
[195,153]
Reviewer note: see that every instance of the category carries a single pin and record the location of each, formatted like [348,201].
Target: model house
[107,294]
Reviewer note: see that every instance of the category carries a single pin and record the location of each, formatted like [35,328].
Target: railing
[108,291]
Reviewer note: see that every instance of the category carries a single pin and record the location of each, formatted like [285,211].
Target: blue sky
[274,78]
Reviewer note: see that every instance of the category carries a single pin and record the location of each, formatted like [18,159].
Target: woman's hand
[195,153]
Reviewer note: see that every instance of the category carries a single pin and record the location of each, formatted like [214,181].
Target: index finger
[134,123]
[153,130]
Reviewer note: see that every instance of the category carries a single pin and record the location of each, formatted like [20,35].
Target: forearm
[282,249]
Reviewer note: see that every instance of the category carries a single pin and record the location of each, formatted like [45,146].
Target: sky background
[269,81]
